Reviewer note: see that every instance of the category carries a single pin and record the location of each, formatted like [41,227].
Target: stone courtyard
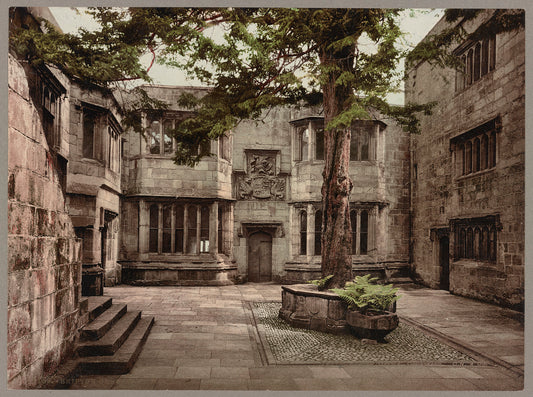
[208,338]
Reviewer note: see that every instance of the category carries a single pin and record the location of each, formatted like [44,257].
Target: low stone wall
[164,274]
[303,306]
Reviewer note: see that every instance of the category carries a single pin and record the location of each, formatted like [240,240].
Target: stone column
[228,229]
[198,226]
[144,220]
[213,229]
[310,230]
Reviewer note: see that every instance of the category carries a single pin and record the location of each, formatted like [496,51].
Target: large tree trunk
[336,188]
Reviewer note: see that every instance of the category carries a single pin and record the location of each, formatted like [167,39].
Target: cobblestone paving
[406,344]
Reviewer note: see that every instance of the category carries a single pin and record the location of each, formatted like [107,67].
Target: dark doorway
[103,245]
[260,257]
[444,262]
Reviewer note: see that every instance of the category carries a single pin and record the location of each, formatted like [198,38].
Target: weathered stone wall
[392,229]
[268,139]
[439,194]
[93,186]
[44,269]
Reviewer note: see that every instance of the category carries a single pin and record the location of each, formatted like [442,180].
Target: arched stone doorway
[259,257]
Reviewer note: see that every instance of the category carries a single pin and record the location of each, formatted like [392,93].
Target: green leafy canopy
[253,59]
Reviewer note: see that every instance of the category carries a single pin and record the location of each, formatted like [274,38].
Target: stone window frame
[312,212]
[206,229]
[106,131]
[476,238]
[476,150]
[364,132]
[360,236]
[478,58]
[225,146]
[48,94]
[158,139]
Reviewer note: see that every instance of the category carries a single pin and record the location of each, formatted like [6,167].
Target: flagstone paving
[204,339]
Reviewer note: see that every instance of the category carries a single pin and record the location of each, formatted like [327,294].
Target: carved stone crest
[261,181]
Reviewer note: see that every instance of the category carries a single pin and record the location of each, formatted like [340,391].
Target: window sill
[473,174]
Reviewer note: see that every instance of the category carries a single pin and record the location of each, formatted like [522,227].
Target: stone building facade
[467,180]
[44,253]
[251,212]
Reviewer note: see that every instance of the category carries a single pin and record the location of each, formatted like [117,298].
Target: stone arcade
[445,207]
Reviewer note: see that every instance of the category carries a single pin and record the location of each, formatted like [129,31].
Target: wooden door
[260,257]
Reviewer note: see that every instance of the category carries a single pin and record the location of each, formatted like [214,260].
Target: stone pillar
[213,229]
[229,221]
[198,227]
[160,228]
[144,219]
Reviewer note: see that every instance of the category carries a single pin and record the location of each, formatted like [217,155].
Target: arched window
[318,232]
[303,233]
[468,158]
[191,229]
[461,157]
[469,243]
[363,237]
[154,136]
[154,228]
[167,136]
[304,143]
[204,229]
[461,244]
[469,67]
[167,229]
[179,229]
[353,221]
[485,57]
[477,62]
[484,152]
[476,154]
[477,243]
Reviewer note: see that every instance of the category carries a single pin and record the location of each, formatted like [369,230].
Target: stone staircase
[109,343]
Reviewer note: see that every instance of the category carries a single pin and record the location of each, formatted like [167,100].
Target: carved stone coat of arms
[261,181]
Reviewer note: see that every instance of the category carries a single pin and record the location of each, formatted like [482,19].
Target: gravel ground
[406,344]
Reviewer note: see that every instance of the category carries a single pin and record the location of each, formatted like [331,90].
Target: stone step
[124,358]
[101,324]
[97,305]
[113,339]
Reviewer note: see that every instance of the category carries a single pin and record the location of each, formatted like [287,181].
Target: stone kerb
[303,306]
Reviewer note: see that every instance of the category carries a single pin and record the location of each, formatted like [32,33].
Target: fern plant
[321,283]
[365,295]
